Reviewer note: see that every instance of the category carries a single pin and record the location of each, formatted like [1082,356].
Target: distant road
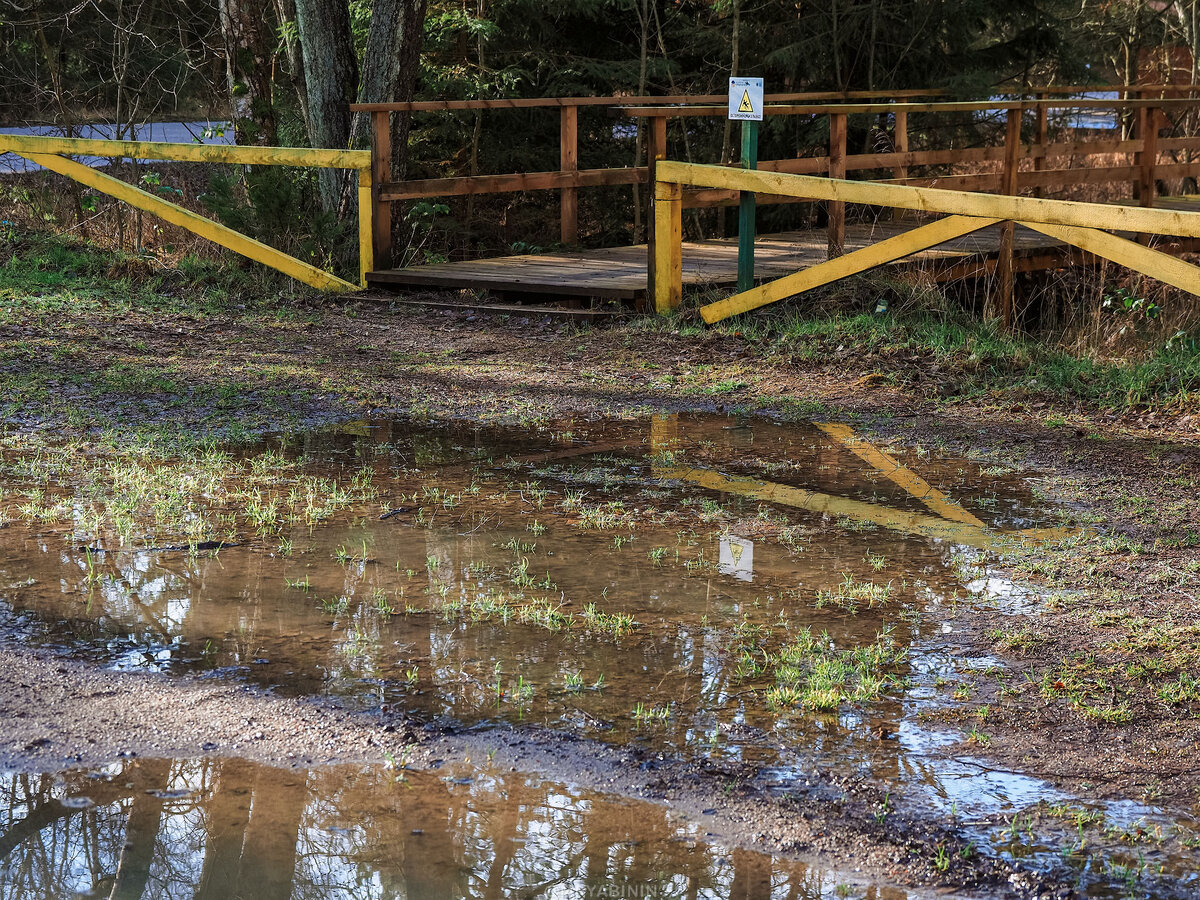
[172,132]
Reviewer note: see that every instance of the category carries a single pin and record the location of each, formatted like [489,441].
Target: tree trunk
[286,11]
[246,31]
[331,77]
[639,142]
[389,76]
[390,63]
[409,40]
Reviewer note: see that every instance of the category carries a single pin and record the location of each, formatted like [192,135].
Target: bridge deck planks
[620,272]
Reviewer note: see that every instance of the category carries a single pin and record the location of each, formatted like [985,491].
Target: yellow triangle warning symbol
[735,550]
[745,106]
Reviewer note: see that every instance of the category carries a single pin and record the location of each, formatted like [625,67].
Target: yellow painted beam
[936,200]
[907,479]
[23,145]
[1162,266]
[366,242]
[885,251]
[667,285]
[206,228]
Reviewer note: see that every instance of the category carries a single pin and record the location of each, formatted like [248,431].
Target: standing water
[786,599]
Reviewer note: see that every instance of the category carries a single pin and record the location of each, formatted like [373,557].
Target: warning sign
[746,99]
[736,558]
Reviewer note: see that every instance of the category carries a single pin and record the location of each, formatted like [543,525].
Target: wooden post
[1008,185]
[568,156]
[656,149]
[1041,138]
[900,145]
[1148,156]
[837,169]
[900,142]
[366,249]
[381,173]
[667,284]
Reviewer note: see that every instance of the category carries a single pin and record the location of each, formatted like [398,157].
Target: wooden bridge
[1034,158]
[621,273]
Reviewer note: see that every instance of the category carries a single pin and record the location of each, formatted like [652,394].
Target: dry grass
[41,201]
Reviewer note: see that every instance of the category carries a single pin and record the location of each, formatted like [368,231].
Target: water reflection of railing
[950,522]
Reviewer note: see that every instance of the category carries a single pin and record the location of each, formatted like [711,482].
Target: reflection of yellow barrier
[51,153]
[859,510]
[951,522]
[893,471]
[818,502]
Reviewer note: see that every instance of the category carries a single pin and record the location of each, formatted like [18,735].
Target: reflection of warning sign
[736,558]
[746,99]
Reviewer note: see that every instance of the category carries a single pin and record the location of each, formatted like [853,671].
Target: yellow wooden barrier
[1084,225]
[51,153]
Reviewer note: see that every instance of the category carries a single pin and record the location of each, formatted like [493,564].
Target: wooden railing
[1087,226]
[568,179]
[1145,103]
[1143,174]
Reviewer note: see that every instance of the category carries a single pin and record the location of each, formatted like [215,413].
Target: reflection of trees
[37,818]
[269,853]
[228,828]
[227,812]
[141,833]
[54,848]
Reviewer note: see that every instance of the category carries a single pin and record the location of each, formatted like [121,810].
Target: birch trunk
[331,79]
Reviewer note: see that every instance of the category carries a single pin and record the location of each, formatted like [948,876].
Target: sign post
[746,106]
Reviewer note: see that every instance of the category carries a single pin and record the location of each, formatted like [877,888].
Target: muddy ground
[1088,702]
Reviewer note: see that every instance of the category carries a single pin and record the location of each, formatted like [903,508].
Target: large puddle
[785,597]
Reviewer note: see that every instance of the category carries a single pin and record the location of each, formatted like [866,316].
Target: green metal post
[746,207]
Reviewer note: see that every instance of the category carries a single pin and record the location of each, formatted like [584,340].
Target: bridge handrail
[1088,226]
[1145,103]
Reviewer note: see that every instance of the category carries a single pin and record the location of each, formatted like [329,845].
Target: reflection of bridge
[948,522]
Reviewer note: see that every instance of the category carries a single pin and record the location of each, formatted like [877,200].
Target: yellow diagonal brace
[910,481]
[885,251]
[206,228]
[1162,266]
